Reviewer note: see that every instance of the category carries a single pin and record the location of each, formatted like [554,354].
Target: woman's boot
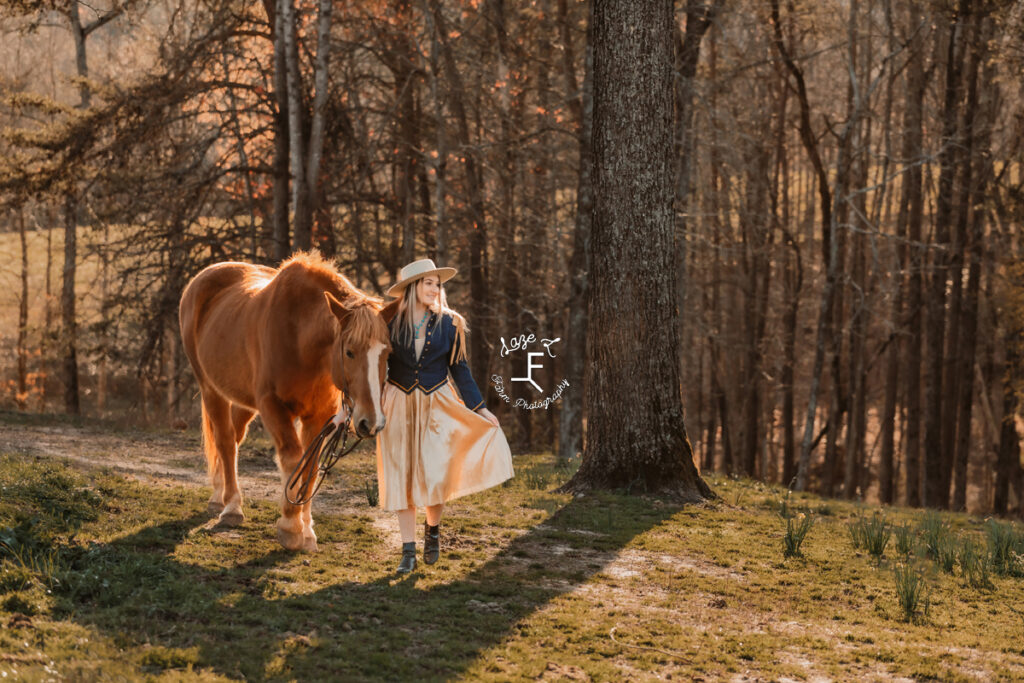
[431,543]
[408,563]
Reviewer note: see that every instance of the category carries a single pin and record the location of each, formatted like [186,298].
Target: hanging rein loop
[326,450]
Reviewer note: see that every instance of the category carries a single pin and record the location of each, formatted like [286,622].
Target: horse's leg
[278,421]
[214,464]
[218,413]
[311,427]
[236,426]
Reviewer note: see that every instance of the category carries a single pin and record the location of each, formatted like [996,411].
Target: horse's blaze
[373,378]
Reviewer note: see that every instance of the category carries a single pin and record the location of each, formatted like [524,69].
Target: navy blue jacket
[430,372]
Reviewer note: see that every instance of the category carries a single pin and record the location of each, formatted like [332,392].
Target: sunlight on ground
[125,574]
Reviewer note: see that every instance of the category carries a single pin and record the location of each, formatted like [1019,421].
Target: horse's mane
[363,323]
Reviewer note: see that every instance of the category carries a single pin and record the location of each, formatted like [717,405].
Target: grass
[905,538]
[975,564]
[1005,548]
[106,577]
[934,533]
[871,535]
[910,587]
[798,524]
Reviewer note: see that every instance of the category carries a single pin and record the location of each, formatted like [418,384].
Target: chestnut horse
[282,343]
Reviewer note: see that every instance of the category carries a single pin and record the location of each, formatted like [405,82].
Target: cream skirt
[433,449]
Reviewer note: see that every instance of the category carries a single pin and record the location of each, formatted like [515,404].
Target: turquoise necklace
[417,328]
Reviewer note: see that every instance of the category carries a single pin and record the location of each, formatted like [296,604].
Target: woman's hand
[488,415]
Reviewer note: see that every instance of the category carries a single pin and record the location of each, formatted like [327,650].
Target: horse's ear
[390,311]
[337,308]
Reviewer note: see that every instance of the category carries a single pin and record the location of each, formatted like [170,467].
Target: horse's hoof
[290,541]
[214,508]
[309,544]
[231,518]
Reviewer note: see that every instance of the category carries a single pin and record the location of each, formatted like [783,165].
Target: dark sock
[409,547]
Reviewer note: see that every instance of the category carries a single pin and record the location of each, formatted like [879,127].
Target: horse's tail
[209,443]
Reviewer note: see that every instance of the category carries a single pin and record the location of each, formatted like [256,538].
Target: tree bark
[570,431]
[935,461]
[67,297]
[21,397]
[972,219]
[406,149]
[69,328]
[281,246]
[1008,457]
[913,196]
[636,439]
[886,468]
[854,482]
[79,35]
[793,283]
[315,148]
[756,240]
[699,15]
[303,216]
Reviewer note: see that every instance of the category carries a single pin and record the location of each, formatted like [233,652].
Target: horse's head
[359,360]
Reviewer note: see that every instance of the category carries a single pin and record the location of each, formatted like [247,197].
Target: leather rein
[326,450]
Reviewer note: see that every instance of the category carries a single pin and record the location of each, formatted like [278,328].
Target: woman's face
[428,289]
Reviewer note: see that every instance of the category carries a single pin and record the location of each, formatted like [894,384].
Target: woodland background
[849,200]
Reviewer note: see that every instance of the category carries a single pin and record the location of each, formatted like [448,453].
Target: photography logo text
[525,364]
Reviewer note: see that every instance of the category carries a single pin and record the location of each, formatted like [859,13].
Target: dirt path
[177,458]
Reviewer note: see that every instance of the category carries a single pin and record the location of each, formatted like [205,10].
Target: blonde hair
[403,329]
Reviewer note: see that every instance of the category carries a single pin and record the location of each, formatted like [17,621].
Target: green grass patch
[104,577]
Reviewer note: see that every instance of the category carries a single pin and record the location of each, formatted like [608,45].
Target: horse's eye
[349,354]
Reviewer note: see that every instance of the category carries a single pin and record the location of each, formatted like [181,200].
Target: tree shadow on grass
[238,621]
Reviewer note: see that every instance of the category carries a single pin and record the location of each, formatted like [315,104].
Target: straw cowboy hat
[417,269]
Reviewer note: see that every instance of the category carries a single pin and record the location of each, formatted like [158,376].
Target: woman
[434,447]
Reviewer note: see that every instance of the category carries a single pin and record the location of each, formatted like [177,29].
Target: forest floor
[110,568]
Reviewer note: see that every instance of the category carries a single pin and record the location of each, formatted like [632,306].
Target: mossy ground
[118,578]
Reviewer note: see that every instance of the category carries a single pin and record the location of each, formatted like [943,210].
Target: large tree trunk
[635,433]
